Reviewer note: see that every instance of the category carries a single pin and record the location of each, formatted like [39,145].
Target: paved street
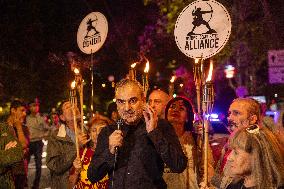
[45,177]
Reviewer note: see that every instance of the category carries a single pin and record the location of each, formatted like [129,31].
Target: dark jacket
[61,152]
[8,158]
[141,159]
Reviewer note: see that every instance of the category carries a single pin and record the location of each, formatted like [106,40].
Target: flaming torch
[145,78]
[79,84]
[171,86]
[73,101]
[132,71]
[207,105]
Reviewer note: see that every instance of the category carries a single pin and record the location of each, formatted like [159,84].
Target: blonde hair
[266,152]
[254,107]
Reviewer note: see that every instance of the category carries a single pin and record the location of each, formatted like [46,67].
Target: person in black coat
[145,144]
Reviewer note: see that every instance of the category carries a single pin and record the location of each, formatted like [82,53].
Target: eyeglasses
[253,129]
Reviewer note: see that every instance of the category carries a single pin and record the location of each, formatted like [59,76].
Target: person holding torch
[61,148]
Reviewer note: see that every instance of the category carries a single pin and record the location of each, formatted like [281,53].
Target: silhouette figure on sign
[198,21]
[90,27]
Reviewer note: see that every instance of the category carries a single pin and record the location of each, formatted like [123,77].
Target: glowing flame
[76,71]
[173,79]
[209,77]
[73,84]
[147,67]
[196,60]
[133,65]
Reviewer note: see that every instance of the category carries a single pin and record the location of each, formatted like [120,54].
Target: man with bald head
[158,100]
[145,144]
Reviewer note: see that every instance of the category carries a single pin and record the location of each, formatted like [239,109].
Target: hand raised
[151,118]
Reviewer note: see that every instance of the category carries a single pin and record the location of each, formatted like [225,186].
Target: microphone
[119,124]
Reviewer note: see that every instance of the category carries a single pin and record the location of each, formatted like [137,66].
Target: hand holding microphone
[116,139]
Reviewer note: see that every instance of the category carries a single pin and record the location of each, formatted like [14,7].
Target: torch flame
[76,71]
[209,77]
[146,70]
[173,79]
[196,60]
[73,84]
[133,65]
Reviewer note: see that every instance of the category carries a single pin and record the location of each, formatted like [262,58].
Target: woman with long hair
[180,113]
[257,158]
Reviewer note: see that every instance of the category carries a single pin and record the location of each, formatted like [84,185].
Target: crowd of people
[149,145]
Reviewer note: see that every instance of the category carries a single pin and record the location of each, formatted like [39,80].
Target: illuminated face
[95,131]
[67,112]
[238,115]
[177,113]
[130,103]
[20,113]
[239,162]
[158,101]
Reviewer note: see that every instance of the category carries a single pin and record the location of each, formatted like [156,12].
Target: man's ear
[253,119]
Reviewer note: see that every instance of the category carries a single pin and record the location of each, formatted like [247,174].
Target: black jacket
[141,159]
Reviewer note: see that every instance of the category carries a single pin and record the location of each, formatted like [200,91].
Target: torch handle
[206,149]
[81,107]
[76,132]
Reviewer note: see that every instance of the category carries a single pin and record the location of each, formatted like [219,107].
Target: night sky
[36,36]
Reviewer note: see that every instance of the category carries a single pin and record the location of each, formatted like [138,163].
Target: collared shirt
[37,127]
[70,133]
[141,159]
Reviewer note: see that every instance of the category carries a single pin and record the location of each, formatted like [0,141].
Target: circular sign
[92,32]
[202,29]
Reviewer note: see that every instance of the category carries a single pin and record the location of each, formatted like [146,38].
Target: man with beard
[16,126]
[243,112]
[145,144]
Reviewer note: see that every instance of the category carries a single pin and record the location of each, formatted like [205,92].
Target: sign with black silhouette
[92,32]
[202,29]
[276,66]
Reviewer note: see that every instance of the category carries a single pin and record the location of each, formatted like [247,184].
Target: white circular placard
[202,29]
[92,32]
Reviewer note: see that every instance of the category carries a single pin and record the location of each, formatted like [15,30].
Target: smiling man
[145,144]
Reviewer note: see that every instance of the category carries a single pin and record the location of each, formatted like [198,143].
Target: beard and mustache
[232,125]
[131,116]
[242,123]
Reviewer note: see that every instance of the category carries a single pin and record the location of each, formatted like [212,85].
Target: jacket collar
[62,134]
